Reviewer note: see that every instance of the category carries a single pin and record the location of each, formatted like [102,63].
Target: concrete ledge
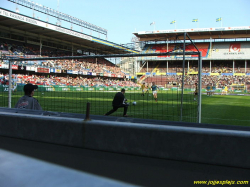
[193,144]
[210,146]
[64,131]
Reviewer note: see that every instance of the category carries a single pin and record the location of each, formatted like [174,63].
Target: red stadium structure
[225,56]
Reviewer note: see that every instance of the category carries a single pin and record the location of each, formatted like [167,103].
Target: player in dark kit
[196,91]
[119,101]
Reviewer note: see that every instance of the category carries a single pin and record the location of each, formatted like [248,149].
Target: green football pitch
[217,109]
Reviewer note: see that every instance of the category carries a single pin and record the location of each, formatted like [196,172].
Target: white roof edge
[194,30]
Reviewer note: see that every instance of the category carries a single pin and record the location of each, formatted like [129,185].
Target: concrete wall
[203,145]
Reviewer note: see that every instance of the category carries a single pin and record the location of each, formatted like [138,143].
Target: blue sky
[123,17]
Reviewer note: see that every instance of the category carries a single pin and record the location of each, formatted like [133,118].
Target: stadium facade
[50,40]
[225,52]
[15,26]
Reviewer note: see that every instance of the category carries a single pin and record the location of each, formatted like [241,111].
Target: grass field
[226,109]
[217,109]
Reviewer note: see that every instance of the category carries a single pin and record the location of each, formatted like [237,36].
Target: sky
[122,18]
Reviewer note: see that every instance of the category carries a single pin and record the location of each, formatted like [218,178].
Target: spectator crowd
[67,81]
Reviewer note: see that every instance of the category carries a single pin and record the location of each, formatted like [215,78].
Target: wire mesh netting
[167,106]
[90,80]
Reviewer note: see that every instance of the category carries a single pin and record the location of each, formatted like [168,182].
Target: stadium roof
[15,23]
[195,34]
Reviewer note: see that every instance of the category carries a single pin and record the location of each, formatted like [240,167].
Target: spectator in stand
[3,82]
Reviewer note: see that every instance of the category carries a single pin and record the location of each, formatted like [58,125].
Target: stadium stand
[162,48]
[89,68]
[68,81]
[224,63]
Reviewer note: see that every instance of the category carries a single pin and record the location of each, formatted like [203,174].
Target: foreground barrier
[204,144]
